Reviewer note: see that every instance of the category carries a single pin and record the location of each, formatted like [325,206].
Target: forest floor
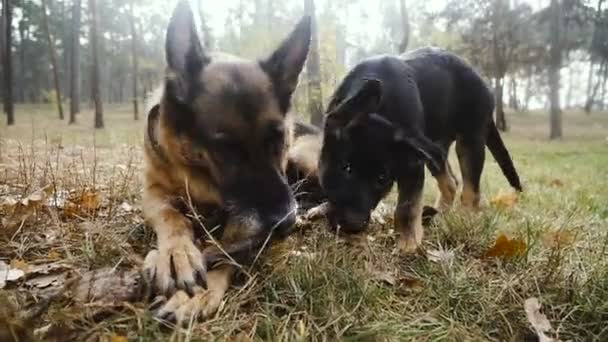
[70,203]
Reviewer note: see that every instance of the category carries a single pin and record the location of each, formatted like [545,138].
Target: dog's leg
[471,157]
[179,261]
[447,187]
[181,308]
[408,215]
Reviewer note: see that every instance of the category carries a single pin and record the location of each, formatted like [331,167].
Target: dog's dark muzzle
[348,220]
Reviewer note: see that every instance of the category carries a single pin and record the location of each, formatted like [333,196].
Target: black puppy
[392,115]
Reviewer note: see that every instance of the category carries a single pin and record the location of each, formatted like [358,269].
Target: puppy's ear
[286,62]
[184,53]
[366,99]
[422,148]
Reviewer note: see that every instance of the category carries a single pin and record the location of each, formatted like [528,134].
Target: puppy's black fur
[392,115]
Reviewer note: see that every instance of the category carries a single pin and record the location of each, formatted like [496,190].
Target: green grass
[334,288]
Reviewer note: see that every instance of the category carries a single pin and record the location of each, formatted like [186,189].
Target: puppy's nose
[282,225]
[352,222]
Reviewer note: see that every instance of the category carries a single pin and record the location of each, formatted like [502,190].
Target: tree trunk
[513,100]
[499,71]
[95,89]
[135,62]
[19,93]
[603,93]
[75,63]
[405,23]
[501,122]
[591,98]
[313,70]
[570,86]
[9,108]
[589,83]
[554,68]
[53,56]
[528,91]
[206,31]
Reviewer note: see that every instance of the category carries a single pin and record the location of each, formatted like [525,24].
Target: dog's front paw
[182,309]
[177,264]
[317,212]
[408,244]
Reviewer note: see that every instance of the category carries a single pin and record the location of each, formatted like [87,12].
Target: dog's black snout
[283,224]
[351,221]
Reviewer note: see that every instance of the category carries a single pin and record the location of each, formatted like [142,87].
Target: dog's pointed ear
[423,148]
[285,64]
[366,99]
[184,53]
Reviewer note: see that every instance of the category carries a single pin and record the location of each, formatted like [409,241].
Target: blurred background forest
[542,55]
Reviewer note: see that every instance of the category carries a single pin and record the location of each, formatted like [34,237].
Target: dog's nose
[350,221]
[282,225]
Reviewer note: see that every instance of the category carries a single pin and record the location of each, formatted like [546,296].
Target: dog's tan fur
[212,110]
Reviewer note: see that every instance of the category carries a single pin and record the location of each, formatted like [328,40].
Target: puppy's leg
[178,261]
[447,187]
[408,215]
[471,157]
[182,308]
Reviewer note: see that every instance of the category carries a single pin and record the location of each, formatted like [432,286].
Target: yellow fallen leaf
[20,265]
[118,338]
[505,200]
[557,239]
[411,283]
[507,248]
[90,200]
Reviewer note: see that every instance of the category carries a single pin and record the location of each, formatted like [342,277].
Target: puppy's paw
[408,245]
[317,212]
[182,309]
[177,264]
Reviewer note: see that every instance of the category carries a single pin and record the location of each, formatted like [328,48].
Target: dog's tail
[500,153]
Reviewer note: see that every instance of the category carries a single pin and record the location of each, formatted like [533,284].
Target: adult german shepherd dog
[216,153]
[392,115]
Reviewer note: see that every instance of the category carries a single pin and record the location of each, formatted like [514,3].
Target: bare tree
[313,70]
[53,55]
[554,68]
[405,23]
[95,88]
[7,67]
[135,61]
[75,63]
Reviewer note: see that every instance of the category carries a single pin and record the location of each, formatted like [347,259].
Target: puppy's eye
[275,141]
[347,168]
[382,179]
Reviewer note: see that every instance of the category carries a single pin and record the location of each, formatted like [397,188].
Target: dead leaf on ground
[90,200]
[126,207]
[539,321]
[412,283]
[441,255]
[118,338]
[557,239]
[384,277]
[556,183]
[20,264]
[44,281]
[507,248]
[9,274]
[505,200]
[107,285]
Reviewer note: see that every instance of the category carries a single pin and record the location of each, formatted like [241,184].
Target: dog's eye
[382,179]
[347,168]
[275,141]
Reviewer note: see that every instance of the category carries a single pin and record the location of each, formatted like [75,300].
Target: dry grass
[316,286]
